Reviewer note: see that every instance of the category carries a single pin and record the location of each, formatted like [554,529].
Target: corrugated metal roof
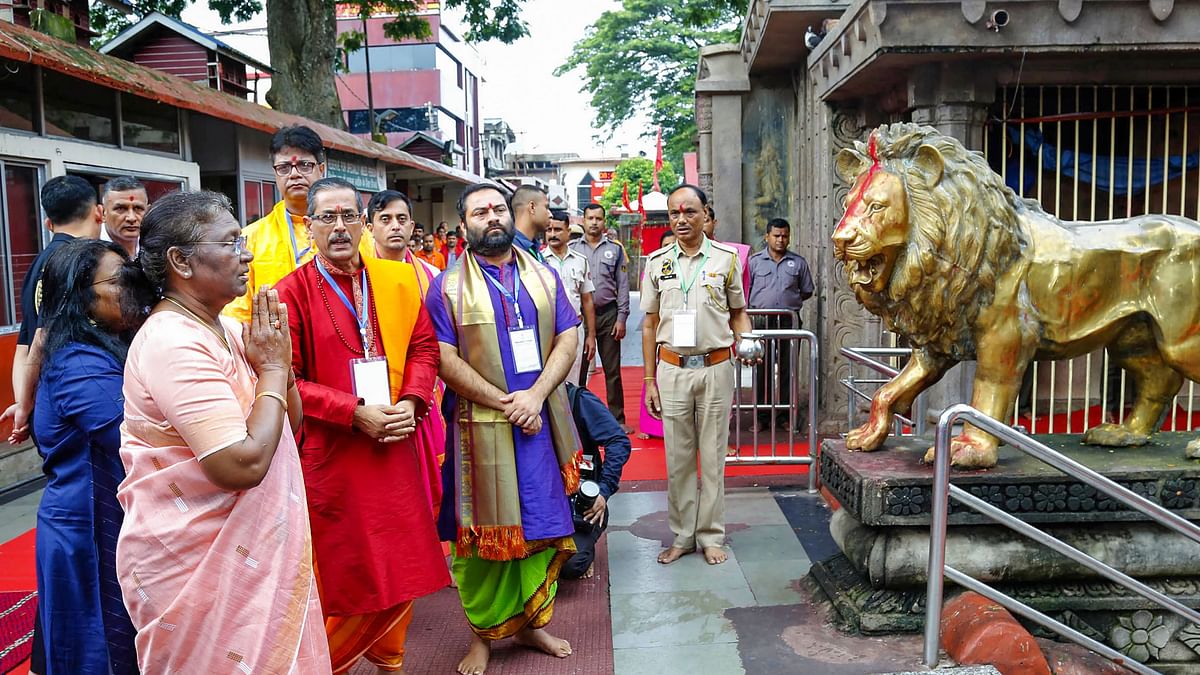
[29,46]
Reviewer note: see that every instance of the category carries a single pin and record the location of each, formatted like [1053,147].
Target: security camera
[998,20]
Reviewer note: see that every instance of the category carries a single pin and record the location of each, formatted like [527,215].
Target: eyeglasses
[331,218]
[238,244]
[305,168]
[106,280]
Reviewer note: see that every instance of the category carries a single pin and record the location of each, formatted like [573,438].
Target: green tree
[303,38]
[642,59]
[631,172]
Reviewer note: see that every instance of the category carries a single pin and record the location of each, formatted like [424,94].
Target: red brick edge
[977,631]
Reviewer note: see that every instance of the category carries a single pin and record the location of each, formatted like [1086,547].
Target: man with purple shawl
[508,335]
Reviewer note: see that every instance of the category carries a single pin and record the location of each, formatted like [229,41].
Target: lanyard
[361,319]
[511,297]
[685,287]
[292,233]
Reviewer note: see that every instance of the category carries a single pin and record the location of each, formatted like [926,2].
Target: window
[259,199]
[393,57]
[18,95]
[78,109]
[22,223]
[390,120]
[148,125]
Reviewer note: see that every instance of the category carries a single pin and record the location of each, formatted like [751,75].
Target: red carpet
[648,461]
[18,579]
[16,629]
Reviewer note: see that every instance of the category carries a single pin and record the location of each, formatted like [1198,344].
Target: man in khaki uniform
[694,304]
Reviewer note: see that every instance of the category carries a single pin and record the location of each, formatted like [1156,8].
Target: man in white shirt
[572,267]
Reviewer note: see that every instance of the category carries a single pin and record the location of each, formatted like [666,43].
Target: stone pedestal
[882,528]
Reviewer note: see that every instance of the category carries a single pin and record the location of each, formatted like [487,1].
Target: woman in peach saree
[214,557]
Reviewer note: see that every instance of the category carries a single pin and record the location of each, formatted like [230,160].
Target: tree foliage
[642,58]
[631,172]
[305,50]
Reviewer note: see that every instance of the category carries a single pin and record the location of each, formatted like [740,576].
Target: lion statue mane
[936,244]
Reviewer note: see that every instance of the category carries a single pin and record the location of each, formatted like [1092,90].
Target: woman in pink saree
[214,557]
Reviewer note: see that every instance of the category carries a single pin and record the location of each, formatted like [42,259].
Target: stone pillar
[954,98]
[720,84]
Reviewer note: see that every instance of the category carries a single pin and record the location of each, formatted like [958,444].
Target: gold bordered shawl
[487,495]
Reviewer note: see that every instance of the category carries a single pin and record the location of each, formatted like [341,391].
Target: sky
[548,114]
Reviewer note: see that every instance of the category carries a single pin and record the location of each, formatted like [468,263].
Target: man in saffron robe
[389,218]
[365,358]
[507,334]
[279,240]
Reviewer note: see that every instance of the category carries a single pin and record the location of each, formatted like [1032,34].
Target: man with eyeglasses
[279,240]
[365,357]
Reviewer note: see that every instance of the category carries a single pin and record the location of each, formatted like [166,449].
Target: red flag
[641,209]
[625,198]
[658,160]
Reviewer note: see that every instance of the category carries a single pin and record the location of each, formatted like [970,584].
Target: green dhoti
[501,598]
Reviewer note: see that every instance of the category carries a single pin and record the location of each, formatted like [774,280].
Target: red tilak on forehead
[294,158]
[873,153]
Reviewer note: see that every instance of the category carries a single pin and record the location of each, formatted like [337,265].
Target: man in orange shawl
[389,218]
[365,357]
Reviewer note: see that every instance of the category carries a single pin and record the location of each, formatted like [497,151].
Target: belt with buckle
[693,360]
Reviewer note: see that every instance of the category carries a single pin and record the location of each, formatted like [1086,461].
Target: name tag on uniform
[683,328]
[370,378]
[526,356]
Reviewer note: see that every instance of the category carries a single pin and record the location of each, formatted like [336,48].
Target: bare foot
[476,660]
[591,571]
[670,555]
[536,638]
[714,555]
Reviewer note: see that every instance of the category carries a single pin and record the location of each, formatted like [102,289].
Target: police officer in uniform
[695,306]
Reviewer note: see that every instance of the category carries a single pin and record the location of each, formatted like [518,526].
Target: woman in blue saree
[88,317]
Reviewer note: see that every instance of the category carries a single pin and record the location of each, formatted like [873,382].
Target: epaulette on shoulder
[656,253]
[724,247]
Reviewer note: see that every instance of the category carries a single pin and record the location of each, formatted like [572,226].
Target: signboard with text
[361,175]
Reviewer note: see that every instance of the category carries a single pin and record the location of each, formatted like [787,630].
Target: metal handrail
[814,358]
[862,356]
[942,491]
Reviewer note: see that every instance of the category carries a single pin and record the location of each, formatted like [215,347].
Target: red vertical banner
[658,162]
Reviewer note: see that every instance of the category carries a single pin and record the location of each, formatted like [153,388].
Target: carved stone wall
[833,314]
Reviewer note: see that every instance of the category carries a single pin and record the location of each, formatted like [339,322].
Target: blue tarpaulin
[1083,165]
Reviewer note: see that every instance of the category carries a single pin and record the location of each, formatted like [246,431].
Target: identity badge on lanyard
[527,358]
[295,247]
[683,322]
[369,374]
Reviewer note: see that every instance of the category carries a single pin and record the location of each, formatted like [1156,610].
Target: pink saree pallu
[214,581]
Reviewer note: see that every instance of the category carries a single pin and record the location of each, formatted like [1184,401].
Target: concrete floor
[754,614]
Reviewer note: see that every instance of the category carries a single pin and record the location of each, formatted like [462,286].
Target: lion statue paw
[1114,436]
[967,452]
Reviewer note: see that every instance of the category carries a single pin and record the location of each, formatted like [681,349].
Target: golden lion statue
[937,245]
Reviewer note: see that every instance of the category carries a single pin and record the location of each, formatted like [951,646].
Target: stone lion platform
[882,529]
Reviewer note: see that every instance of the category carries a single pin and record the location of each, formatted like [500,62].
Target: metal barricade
[774,342]
[943,490]
[866,356]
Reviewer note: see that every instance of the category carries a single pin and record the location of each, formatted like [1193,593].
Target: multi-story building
[424,93]
[497,136]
